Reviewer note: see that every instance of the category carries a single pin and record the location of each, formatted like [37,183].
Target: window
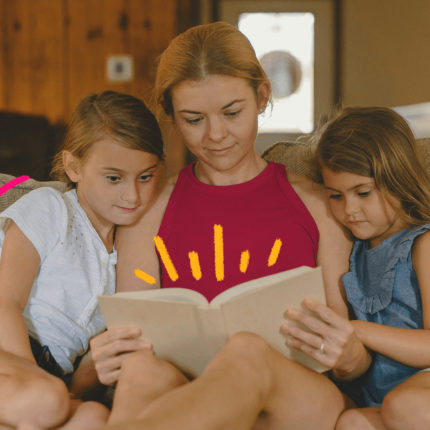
[294,40]
[284,44]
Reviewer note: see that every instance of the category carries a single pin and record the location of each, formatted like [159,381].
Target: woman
[211,86]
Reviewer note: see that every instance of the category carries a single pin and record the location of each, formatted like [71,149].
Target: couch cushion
[297,156]
[15,193]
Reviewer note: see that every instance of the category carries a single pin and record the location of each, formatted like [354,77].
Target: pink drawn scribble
[13,183]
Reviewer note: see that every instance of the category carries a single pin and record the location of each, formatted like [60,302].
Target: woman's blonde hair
[123,117]
[378,143]
[212,49]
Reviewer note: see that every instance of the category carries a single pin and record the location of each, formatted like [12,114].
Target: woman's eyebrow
[224,107]
[232,103]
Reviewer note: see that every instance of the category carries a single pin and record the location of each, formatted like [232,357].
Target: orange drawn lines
[244,261]
[274,253]
[219,252]
[144,276]
[165,257]
[193,256]
[195,265]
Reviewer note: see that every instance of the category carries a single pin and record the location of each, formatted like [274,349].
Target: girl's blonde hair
[123,117]
[378,143]
[212,49]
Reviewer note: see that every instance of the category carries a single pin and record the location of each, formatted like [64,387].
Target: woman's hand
[332,340]
[110,348]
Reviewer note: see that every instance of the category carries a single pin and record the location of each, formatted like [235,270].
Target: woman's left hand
[332,340]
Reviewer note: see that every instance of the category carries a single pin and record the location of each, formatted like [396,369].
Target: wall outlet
[119,68]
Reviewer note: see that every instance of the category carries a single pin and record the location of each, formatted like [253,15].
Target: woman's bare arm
[334,245]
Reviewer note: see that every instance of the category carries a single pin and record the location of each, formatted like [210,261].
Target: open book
[188,331]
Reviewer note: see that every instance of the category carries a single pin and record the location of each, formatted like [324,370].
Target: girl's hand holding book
[110,348]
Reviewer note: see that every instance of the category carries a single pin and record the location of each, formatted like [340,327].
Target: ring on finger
[322,348]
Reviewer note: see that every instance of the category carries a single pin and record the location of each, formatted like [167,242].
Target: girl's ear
[71,166]
[263,95]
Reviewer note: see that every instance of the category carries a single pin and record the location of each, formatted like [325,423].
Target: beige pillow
[16,192]
[297,156]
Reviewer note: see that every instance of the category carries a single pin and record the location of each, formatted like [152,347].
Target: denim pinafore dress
[382,287]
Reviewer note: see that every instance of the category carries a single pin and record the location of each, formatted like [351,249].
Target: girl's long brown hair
[378,143]
[121,116]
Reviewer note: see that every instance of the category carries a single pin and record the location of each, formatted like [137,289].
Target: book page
[261,310]
[177,330]
[166,294]
[249,286]
[213,337]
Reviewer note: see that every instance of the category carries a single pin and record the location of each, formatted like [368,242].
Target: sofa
[295,156]
[16,192]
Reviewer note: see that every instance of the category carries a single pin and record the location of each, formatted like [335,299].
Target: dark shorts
[351,388]
[46,361]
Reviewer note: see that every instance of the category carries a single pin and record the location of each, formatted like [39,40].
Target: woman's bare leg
[86,416]
[361,419]
[247,383]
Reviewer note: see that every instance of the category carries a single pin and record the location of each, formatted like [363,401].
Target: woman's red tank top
[226,226]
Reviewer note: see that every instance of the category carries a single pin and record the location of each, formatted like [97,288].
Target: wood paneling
[33,57]
[100,28]
[54,52]
[151,29]
[3,50]
[93,34]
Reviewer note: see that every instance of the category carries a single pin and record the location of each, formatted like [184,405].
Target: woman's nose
[217,130]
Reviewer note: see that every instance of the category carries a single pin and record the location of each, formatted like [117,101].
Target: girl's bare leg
[84,416]
[30,395]
[407,405]
[247,384]
[143,378]
[404,407]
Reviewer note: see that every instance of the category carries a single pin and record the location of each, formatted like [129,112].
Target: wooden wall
[53,52]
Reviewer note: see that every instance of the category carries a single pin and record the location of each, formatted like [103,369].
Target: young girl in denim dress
[379,190]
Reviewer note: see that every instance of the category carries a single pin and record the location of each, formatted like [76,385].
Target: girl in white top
[58,254]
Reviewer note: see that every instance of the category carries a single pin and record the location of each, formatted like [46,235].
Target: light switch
[119,68]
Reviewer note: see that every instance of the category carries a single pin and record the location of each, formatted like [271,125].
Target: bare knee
[249,348]
[88,415]
[391,408]
[352,419]
[406,408]
[246,357]
[44,402]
